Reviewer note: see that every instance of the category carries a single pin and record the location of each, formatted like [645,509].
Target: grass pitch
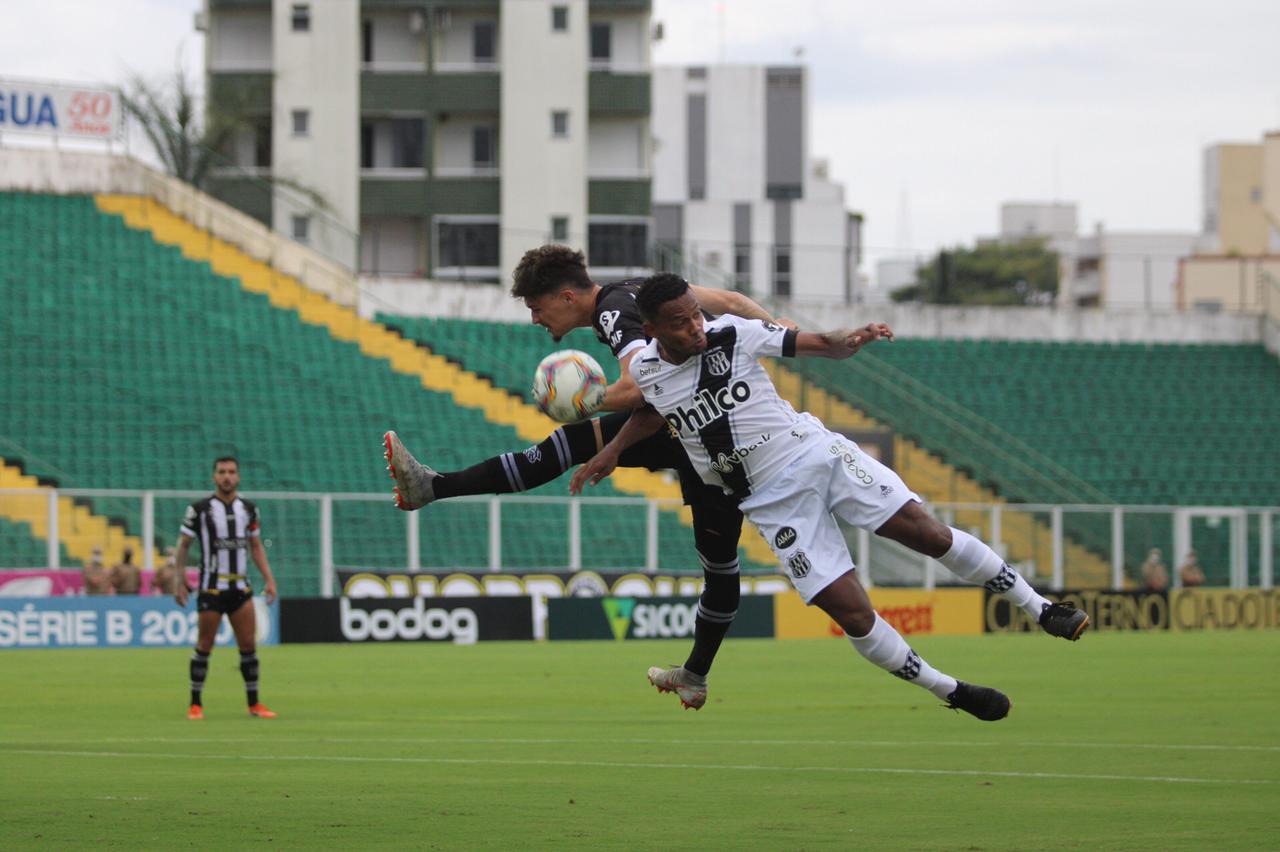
[1122,741]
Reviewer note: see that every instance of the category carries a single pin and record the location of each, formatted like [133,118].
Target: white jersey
[723,406]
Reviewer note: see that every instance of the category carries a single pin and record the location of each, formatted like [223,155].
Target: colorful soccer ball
[569,385]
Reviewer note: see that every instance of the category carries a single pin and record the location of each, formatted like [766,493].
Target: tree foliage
[1019,273]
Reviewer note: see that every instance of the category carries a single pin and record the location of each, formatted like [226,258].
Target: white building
[734,187]
[1133,269]
[445,138]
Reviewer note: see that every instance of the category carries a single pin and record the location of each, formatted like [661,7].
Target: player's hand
[593,471]
[869,333]
[181,593]
[269,590]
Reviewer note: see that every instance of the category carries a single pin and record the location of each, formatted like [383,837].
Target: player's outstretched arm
[640,425]
[842,343]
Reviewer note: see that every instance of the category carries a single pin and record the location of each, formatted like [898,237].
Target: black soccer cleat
[984,702]
[1063,620]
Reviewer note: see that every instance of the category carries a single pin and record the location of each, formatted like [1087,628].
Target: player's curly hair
[547,269]
[657,290]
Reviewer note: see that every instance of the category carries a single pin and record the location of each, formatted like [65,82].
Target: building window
[742,267]
[559,229]
[484,148]
[366,41]
[783,191]
[392,143]
[483,38]
[618,244]
[301,122]
[463,244]
[301,227]
[782,272]
[560,124]
[601,42]
[560,19]
[301,17]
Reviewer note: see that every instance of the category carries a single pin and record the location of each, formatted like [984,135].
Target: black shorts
[225,601]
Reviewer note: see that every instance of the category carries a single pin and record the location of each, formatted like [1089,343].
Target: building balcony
[614,94]
[425,92]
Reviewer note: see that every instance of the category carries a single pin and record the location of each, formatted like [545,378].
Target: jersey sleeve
[255,521]
[758,338]
[620,325]
[189,522]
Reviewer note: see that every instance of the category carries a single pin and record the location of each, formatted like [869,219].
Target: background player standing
[228,528]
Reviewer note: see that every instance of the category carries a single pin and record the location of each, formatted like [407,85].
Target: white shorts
[797,511]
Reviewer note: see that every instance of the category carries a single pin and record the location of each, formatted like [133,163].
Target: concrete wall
[542,176]
[617,148]
[318,71]
[240,40]
[1142,269]
[1230,283]
[423,298]
[395,46]
[1242,225]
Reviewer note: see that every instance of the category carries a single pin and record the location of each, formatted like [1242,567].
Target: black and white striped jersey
[723,406]
[223,530]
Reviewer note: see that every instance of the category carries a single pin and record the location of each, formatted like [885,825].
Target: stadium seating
[20,547]
[165,364]
[1084,423]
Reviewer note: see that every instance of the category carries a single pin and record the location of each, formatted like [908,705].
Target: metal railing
[312,535]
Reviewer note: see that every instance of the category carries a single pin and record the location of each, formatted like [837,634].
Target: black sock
[199,671]
[717,606]
[521,471]
[249,671]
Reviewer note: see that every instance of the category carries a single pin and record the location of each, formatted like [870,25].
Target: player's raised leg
[971,559]
[244,623]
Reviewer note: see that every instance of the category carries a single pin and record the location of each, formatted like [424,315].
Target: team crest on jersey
[607,319]
[717,362]
[799,566]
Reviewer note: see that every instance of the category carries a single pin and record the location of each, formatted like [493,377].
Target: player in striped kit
[792,477]
[228,529]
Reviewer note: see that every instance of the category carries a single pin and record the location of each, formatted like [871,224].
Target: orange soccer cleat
[261,711]
[195,713]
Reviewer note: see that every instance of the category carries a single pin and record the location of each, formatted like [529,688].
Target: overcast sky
[931,113]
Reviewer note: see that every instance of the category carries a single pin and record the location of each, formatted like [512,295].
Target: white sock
[972,560]
[885,647]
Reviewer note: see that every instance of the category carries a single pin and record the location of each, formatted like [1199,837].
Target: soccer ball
[569,385]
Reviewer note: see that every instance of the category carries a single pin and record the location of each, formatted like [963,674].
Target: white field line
[609,764]
[694,742]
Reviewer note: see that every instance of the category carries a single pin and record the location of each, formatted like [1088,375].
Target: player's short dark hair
[220,459]
[657,290]
[547,269]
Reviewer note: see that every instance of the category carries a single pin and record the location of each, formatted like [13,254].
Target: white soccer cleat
[690,688]
[414,481]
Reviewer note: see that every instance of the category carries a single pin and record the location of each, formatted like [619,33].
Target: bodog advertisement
[462,621]
[912,612]
[541,586]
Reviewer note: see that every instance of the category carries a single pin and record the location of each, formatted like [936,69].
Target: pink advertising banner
[44,583]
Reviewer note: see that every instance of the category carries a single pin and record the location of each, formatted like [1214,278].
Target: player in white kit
[793,477]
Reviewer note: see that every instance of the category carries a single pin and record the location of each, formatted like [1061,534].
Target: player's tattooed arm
[640,425]
[842,343]
[718,302]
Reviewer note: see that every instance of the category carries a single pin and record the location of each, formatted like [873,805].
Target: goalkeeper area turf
[1120,741]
